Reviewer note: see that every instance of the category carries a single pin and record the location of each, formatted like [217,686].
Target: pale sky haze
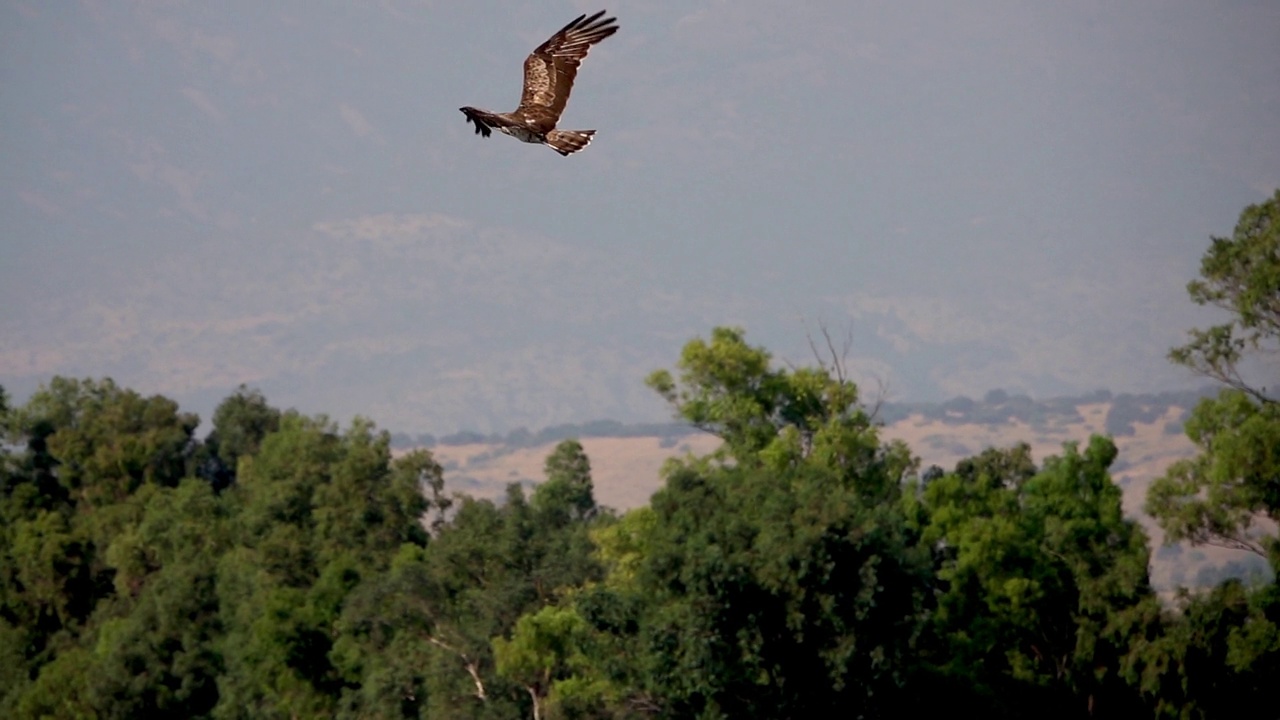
[986,194]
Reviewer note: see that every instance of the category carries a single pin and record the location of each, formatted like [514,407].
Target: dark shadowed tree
[93,453]
[568,493]
[240,423]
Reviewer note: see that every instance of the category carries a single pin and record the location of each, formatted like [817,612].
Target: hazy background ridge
[994,195]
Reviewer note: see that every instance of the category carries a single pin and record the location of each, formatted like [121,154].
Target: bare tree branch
[472,666]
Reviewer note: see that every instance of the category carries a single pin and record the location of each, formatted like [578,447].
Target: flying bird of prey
[548,78]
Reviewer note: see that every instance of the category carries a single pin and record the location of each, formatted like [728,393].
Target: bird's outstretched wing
[550,69]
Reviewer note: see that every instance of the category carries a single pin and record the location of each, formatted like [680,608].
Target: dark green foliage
[91,456]
[1041,581]
[105,442]
[1217,655]
[567,494]
[240,423]
[777,594]
[770,579]
[129,591]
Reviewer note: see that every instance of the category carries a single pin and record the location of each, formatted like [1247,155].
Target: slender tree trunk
[472,666]
[537,706]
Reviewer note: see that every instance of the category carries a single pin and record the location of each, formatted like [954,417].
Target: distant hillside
[997,407]
[626,459]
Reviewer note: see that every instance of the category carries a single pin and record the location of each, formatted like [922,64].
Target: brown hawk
[548,77]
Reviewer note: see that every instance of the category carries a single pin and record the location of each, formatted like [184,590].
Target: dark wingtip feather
[587,24]
[482,129]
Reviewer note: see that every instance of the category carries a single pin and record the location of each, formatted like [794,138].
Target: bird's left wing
[549,70]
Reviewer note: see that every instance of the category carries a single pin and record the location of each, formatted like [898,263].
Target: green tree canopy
[1041,582]
[1241,275]
[770,579]
[568,489]
[1220,654]
[780,417]
[240,423]
[1218,496]
[102,441]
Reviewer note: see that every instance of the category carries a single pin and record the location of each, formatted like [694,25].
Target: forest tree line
[287,567]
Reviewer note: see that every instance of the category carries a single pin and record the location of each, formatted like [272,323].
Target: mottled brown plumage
[548,79]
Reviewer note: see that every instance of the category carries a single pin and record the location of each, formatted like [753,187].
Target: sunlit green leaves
[1240,274]
[1042,577]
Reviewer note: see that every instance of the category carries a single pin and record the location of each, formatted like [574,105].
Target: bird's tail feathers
[567,142]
